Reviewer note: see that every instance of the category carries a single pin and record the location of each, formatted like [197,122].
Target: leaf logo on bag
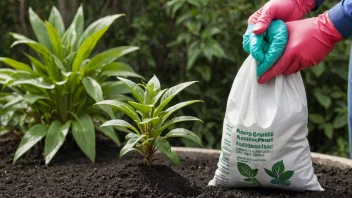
[281,177]
[248,172]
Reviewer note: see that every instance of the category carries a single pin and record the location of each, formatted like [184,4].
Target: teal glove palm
[268,47]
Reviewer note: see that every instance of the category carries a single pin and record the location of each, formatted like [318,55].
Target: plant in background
[152,119]
[64,81]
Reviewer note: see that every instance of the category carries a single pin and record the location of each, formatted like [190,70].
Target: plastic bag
[264,134]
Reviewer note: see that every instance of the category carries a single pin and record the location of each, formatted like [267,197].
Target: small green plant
[152,119]
[248,172]
[64,81]
[281,177]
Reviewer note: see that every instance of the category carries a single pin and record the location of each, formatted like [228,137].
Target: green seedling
[249,173]
[151,119]
[281,177]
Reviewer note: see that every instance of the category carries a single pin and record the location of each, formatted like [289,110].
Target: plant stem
[255,181]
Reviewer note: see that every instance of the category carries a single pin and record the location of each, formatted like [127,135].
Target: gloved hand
[310,41]
[286,10]
[268,47]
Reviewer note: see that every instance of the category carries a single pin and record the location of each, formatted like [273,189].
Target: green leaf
[38,82]
[340,121]
[54,139]
[125,108]
[100,24]
[119,69]
[77,26]
[31,137]
[176,107]
[149,120]
[110,132]
[248,179]
[55,40]
[39,48]
[86,48]
[245,170]
[32,98]
[155,84]
[108,57]
[84,135]
[328,130]
[286,175]
[324,100]
[136,91]
[133,140]
[39,29]
[16,65]
[278,167]
[145,109]
[120,123]
[56,20]
[316,118]
[94,90]
[192,56]
[164,147]
[158,96]
[318,70]
[271,174]
[184,133]
[170,94]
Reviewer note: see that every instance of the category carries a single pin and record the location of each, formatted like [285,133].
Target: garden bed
[71,174]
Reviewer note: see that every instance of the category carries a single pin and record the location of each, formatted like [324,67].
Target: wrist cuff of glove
[341,20]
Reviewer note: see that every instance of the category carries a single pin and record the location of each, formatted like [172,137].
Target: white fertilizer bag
[264,134]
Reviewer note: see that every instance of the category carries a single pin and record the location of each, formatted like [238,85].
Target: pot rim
[317,158]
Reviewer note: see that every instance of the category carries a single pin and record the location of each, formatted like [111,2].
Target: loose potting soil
[71,174]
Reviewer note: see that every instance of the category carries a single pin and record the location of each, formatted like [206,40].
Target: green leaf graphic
[244,169]
[286,175]
[270,173]
[278,167]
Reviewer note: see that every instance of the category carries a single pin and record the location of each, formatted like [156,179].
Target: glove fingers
[255,44]
[293,67]
[264,20]
[281,66]
[278,42]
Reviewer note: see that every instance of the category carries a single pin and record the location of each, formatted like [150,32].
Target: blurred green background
[184,40]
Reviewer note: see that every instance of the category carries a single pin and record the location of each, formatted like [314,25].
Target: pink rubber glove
[286,10]
[309,42]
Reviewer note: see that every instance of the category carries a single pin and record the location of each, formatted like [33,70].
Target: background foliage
[183,40]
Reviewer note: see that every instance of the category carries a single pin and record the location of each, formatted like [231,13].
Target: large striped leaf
[94,90]
[54,139]
[55,40]
[84,135]
[56,20]
[108,57]
[39,29]
[16,65]
[31,137]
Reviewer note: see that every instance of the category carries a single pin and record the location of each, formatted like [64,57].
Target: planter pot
[72,175]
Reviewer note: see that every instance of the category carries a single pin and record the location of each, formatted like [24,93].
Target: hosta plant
[64,80]
[151,119]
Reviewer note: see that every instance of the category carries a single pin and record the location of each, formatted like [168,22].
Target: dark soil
[72,175]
